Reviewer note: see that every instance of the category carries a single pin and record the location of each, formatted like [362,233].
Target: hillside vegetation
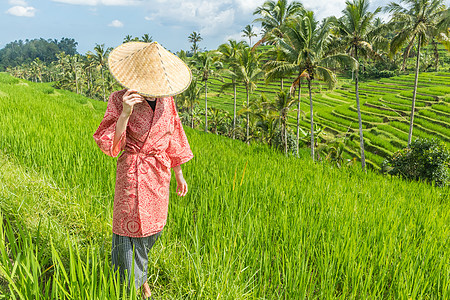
[255,224]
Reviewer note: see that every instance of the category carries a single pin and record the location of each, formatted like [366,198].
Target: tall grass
[27,274]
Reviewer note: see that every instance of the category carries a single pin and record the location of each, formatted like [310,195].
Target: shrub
[426,159]
[277,141]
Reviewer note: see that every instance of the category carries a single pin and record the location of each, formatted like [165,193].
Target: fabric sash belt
[142,157]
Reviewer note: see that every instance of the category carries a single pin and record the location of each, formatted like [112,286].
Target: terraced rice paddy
[385,107]
[255,224]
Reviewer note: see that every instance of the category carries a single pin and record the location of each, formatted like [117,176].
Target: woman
[142,121]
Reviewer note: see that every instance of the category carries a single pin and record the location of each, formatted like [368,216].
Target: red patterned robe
[153,143]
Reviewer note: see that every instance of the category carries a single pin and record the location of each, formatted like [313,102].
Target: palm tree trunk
[282,83]
[234,109]
[76,77]
[413,105]
[298,115]
[103,84]
[248,115]
[206,106]
[312,119]
[285,134]
[90,83]
[192,115]
[358,107]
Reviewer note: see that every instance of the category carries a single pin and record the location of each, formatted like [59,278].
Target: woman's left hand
[182,187]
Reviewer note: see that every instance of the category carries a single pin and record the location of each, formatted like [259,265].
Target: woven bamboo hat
[150,69]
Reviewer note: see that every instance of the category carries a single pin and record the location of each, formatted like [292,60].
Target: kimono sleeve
[179,150]
[104,136]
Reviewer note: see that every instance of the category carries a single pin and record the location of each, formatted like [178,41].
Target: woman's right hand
[130,98]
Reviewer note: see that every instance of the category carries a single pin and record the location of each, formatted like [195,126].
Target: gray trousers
[122,258]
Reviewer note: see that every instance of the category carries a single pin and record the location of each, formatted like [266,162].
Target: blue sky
[108,21]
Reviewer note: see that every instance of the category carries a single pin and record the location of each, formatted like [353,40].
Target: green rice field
[385,108]
[255,224]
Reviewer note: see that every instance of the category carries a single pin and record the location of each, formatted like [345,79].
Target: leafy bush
[426,159]
[374,72]
[278,141]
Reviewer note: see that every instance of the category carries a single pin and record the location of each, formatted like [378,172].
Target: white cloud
[248,6]
[207,17]
[327,8]
[116,23]
[101,2]
[21,11]
[17,2]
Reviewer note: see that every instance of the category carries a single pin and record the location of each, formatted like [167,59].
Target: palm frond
[327,76]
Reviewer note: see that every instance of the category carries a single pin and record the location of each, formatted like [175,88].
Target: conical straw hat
[150,69]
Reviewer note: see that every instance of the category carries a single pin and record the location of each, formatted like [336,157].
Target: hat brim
[150,69]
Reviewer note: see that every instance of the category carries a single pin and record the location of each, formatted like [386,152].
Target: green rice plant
[399,100]
[29,275]
[388,106]
[378,160]
[380,141]
[379,89]
[441,89]
[5,78]
[416,131]
[429,91]
[339,120]
[418,96]
[432,126]
[433,115]
[324,99]
[442,107]
[398,81]
[377,111]
[334,95]
[348,94]
[354,115]
[402,135]
[330,124]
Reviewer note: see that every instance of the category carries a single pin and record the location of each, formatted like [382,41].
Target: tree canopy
[22,52]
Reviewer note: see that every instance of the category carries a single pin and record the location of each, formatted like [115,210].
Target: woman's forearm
[121,126]
[177,170]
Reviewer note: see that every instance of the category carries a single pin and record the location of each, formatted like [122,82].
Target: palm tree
[263,120]
[88,67]
[228,56]
[204,65]
[274,15]
[74,64]
[306,47]
[356,33]
[128,38]
[190,97]
[248,32]
[283,102]
[146,38]
[246,69]
[194,38]
[100,57]
[38,68]
[418,20]
[219,120]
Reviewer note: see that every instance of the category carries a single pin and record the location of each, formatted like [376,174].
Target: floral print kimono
[153,143]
